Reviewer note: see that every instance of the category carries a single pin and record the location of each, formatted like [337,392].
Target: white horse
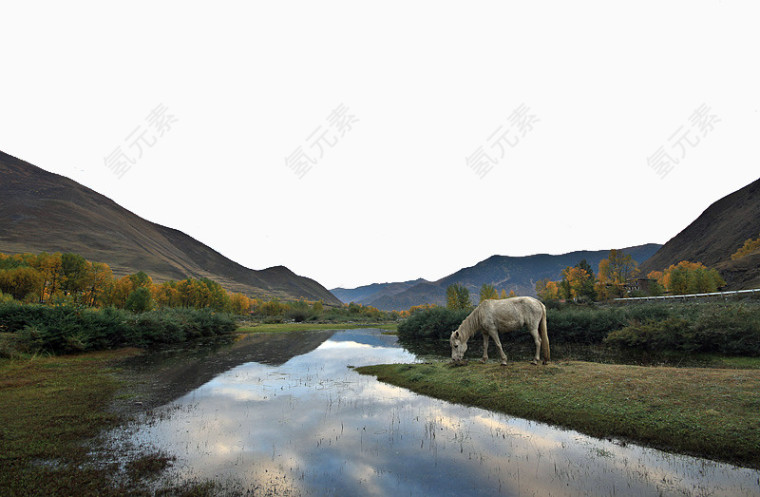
[493,316]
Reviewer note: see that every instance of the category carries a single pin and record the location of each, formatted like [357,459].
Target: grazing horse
[493,316]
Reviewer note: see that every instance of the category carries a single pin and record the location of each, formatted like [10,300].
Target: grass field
[713,413]
[53,409]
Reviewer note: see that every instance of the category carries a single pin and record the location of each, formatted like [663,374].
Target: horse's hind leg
[537,340]
[485,348]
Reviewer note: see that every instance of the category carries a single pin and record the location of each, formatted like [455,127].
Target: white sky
[427,83]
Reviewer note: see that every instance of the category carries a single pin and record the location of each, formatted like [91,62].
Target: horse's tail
[544,336]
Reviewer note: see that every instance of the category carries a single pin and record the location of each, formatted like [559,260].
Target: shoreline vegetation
[704,412]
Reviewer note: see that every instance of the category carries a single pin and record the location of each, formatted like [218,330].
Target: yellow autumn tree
[239,304]
[574,279]
[547,289]
[750,245]
[688,277]
[488,292]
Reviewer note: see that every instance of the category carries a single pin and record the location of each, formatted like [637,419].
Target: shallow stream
[289,416]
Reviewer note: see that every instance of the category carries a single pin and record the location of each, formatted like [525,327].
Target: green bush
[670,334]
[436,322]
[730,330]
[69,329]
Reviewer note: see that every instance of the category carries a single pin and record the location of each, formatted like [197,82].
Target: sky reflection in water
[312,426]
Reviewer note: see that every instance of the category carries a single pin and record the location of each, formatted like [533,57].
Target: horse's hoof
[484,361]
[534,362]
[503,363]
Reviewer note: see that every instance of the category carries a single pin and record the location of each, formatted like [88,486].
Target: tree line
[617,276]
[68,278]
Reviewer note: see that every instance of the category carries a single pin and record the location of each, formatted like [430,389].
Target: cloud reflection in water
[312,426]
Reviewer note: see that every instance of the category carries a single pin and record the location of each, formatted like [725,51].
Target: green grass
[712,413]
[287,327]
[52,410]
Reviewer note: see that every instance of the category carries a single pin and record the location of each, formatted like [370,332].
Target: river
[289,416]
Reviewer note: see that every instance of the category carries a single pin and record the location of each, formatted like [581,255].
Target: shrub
[732,329]
[670,334]
[436,322]
[722,330]
[69,329]
[140,300]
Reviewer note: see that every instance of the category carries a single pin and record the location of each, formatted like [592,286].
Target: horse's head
[458,347]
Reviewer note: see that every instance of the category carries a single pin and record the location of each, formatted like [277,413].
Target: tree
[20,282]
[141,280]
[318,308]
[166,294]
[688,277]
[140,300]
[488,292]
[240,304]
[123,287]
[750,245]
[655,283]
[547,289]
[458,297]
[74,268]
[575,281]
[98,278]
[586,267]
[50,269]
[613,274]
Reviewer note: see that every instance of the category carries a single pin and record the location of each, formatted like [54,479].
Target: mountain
[367,293]
[42,211]
[716,234]
[503,272]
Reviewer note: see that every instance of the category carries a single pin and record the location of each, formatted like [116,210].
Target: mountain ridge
[715,235]
[44,211]
[518,273]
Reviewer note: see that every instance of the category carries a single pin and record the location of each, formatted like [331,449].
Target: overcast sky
[360,142]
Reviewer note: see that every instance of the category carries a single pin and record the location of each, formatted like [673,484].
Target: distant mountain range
[715,235]
[42,211]
[711,239]
[503,272]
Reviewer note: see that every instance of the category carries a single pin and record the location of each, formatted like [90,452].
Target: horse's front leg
[485,348]
[495,336]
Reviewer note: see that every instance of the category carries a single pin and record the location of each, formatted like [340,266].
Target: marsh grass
[53,409]
[712,413]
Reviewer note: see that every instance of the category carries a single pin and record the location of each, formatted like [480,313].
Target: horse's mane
[470,325]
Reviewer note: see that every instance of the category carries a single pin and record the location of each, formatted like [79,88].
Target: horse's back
[513,312]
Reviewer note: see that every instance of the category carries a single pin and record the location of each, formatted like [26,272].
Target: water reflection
[312,426]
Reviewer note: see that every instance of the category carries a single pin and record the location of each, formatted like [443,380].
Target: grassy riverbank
[287,327]
[713,413]
[53,410]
